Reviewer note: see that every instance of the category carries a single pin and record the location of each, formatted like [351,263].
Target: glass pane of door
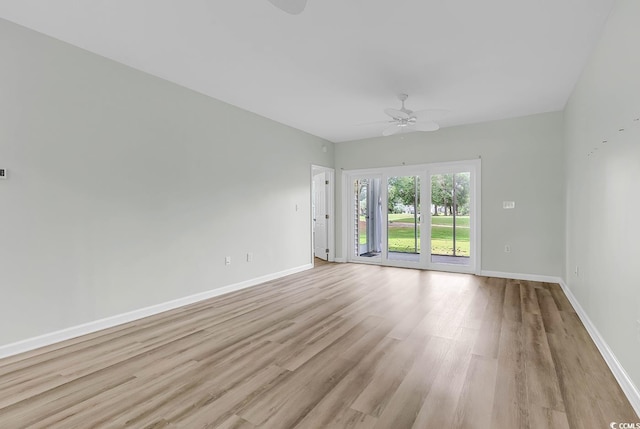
[403,218]
[450,222]
[368,218]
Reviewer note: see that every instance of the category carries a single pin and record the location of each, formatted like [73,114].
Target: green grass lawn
[400,218]
[401,238]
[435,220]
[397,217]
[448,220]
[442,240]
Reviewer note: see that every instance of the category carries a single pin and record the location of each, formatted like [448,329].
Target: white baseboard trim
[340,260]
[517,276]
[109,322]
[625,382]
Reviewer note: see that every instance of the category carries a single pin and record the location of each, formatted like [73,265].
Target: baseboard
[625,382]
[109,322]
[340,260]
[517,276]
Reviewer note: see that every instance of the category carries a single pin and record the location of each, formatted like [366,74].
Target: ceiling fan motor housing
[403,117]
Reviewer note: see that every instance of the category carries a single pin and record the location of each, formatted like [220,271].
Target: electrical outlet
[227,260]
[3,173]
[249,257]
[507,248]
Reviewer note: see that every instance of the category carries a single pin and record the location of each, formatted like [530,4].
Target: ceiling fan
[404,119]
[294,7]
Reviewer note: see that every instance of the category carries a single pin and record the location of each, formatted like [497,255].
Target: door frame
[473,166]
[424,171]
[331,222]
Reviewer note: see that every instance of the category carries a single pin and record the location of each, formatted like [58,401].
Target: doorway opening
[368,217]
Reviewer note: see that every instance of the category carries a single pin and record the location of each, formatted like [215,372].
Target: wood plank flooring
[339,346]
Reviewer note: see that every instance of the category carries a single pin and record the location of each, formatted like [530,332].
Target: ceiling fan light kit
[404,119]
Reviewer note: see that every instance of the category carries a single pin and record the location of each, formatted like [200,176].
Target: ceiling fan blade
[365,124]
[396,114]
[294,7]
[426,126]
[393,129]
[430,114]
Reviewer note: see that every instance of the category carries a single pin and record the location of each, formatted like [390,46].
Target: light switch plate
[508,204]
[3,173]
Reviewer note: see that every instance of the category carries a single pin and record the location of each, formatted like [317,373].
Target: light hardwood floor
[339,346]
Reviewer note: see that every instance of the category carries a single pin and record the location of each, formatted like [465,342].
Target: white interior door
[320,214]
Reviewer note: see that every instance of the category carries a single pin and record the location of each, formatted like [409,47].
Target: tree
[439,192]
[402,190]
[442,192]
[462,193]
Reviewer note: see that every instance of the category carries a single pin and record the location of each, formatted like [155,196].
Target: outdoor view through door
[403,218]
[368,221]
[450,209]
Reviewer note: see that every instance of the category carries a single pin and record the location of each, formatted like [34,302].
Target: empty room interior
[319,214]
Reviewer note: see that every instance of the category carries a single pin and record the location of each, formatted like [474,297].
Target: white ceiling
[339,63]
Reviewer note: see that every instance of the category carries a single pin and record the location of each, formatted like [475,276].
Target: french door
[421,216]
[454,238]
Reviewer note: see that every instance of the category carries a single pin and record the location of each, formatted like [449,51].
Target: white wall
[603,202]
[126,191]
[521,162]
